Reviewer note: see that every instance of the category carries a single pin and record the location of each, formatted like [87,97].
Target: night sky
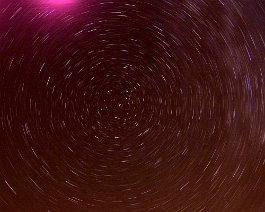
[132,105]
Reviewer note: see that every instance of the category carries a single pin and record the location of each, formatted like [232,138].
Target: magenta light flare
[60,2]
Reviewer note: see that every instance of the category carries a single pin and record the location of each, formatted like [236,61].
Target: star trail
[132,105]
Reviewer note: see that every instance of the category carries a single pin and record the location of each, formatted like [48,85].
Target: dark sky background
[132,105]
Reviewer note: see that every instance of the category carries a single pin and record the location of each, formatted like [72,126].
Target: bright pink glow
[61,2]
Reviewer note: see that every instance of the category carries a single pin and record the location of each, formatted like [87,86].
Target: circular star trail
[130,105]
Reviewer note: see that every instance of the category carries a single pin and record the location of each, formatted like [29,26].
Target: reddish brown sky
[132,105]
